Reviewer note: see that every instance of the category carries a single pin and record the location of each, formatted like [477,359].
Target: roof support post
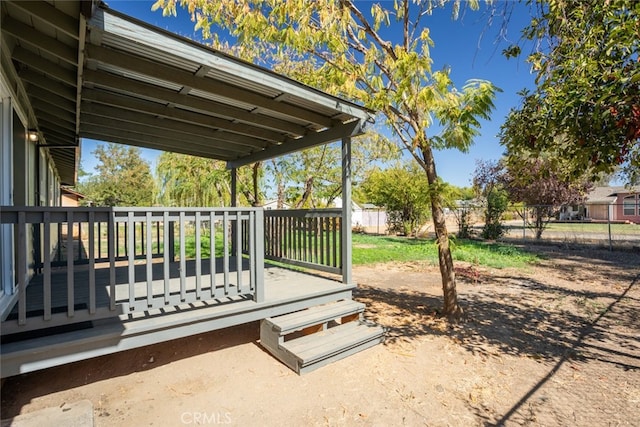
[345,223]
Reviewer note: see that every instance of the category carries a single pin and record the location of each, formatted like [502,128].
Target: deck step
[298,320]
[311,338]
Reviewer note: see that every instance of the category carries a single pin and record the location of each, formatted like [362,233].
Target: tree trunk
[451,308]
[280,201]
[308,189]
[539,223]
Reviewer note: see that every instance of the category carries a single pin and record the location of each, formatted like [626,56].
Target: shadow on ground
[19,390]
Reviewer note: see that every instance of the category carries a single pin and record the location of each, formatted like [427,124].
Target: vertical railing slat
[70,271]
[166,241]
[22,268]
[198,258]
[239,251]
[285,235]
[303,238]
[334,233]
[321,232]
[225,256]
[158,238]
[92,263]
[327,222]
[149,258]
[99,240]
[47,266]
[116,239]
[131,249]
[79,240]
[183,261]
[259,294]
[251,235]
[212,251]
[112,242]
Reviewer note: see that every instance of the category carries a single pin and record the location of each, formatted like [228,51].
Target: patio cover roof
[92,72]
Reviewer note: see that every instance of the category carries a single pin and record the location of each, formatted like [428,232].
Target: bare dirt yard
[556,344]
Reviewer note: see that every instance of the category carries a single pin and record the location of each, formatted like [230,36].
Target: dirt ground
[556,344]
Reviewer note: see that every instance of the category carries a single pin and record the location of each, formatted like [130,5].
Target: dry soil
[554,344]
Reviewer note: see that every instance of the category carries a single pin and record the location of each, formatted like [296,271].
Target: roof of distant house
[608,194]
[73,192]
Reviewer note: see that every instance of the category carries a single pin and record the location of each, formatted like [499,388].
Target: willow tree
[345,52]
[185,180]
[192,181]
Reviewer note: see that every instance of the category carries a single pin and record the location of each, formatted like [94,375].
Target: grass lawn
[374,249]
[595,228]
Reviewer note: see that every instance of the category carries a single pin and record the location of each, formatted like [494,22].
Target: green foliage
[404,192]
[192,181]
[586,108]
[489,183]
[313,177]
[497,203]
[123,178]
[200,182]
[377,249]
[342,50]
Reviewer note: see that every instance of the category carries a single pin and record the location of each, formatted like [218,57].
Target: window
[629,205]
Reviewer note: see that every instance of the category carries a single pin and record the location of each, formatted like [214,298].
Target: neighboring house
[614,204]
[69,197]
[78,69]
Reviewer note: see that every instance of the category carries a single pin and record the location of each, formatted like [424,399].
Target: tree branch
[386,46]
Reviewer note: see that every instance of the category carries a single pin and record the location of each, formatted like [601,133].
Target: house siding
[28,178]
[619,208]
[598,211]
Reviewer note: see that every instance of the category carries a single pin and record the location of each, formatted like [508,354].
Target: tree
[404,192]
[192,181]
[123,178]
[313,177]
[488,179]
[586,107]
[250,183]
[344,52]
[542,186]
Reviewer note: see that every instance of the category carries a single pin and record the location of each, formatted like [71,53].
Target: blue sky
[471,50]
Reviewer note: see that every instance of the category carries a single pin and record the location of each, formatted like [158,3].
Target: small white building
[272,204]
[370,217]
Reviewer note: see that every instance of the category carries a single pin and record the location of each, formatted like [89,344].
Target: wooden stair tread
[315,315]
[318,346]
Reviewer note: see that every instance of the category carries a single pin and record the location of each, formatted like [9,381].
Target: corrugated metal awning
[114,78]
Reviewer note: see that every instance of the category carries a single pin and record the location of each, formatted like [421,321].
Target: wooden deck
[32,349]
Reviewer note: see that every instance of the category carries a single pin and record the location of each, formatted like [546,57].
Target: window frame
[629,205]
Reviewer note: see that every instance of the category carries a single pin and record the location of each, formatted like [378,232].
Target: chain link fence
[611,226]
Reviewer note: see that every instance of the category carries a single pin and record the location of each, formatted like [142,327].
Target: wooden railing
[81,233]
[131,256]
[305,238]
